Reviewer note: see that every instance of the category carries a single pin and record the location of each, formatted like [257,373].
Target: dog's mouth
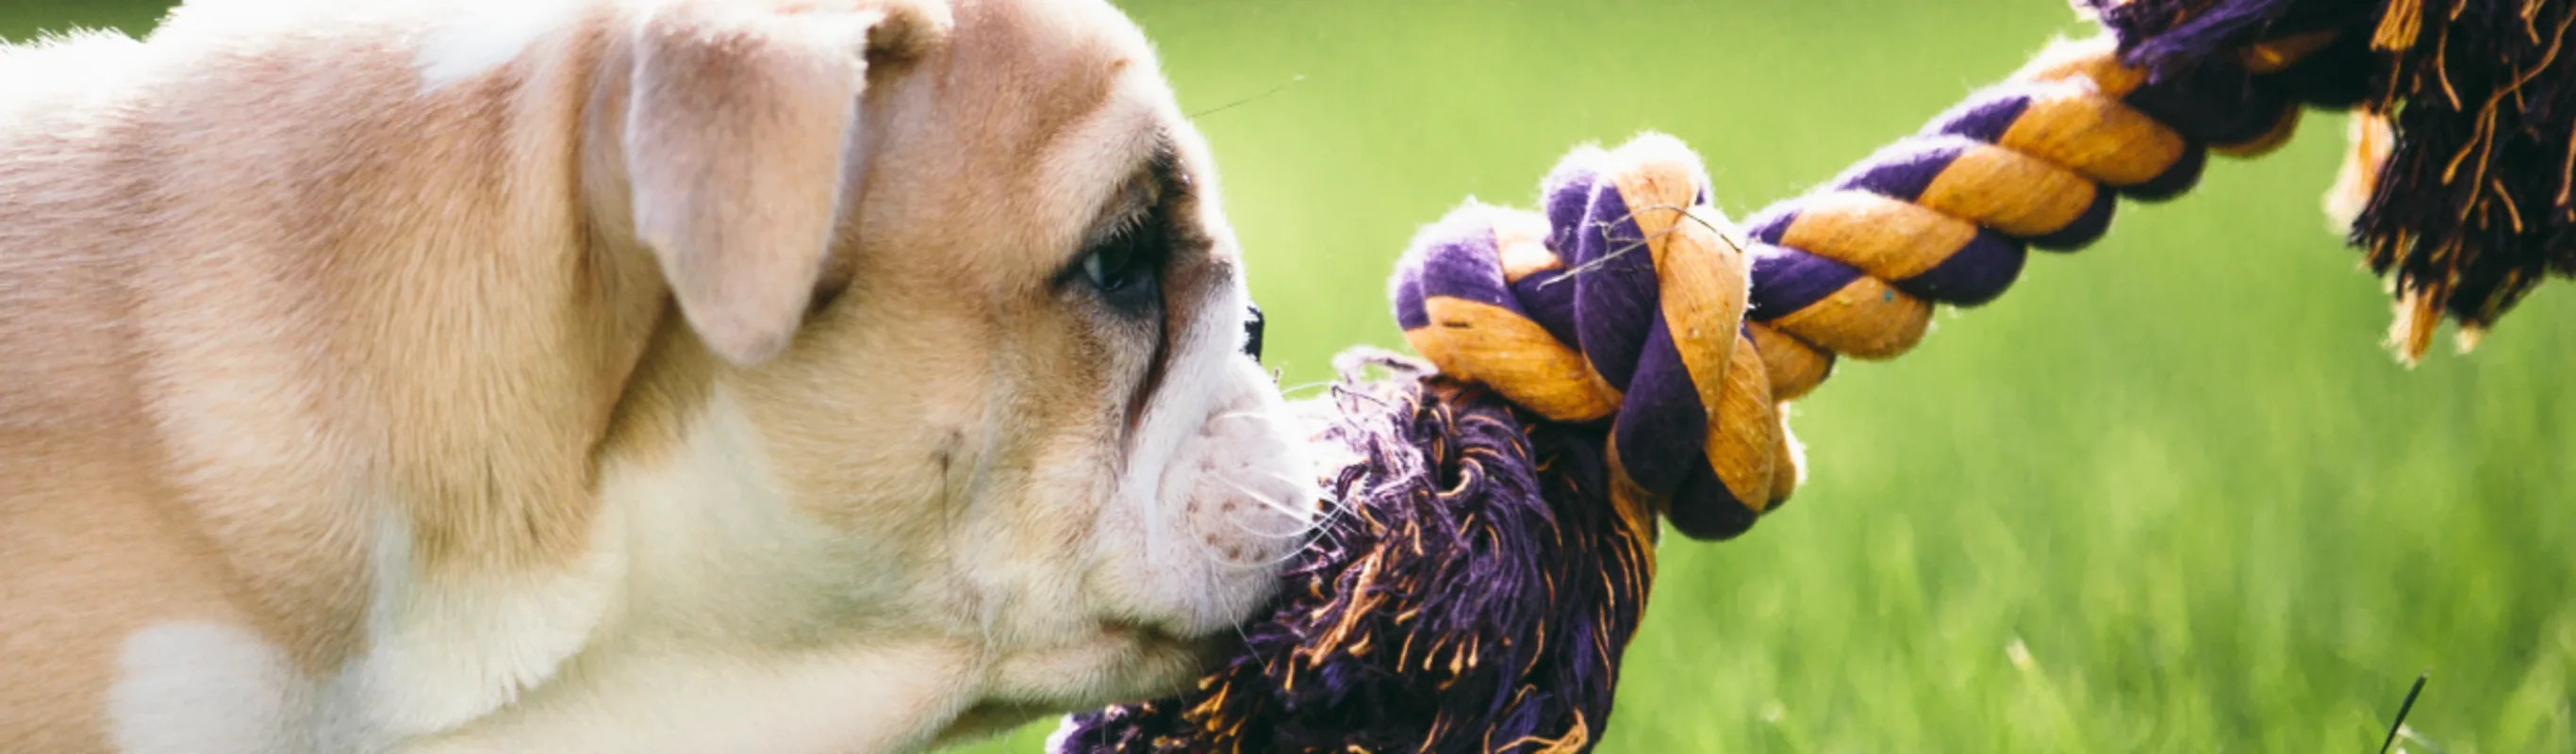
[1151,663]
[1155,660]
[1156,639]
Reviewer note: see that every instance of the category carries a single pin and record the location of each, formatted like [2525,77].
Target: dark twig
[2402,709]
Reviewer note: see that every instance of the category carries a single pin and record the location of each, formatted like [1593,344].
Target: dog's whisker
[1286,554]
[1291,391]
[1300,483]
[1305,537]
[1308,519]
[1332,507]
[1282,509]
[1239,565]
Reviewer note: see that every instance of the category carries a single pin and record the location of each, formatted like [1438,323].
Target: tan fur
[303,340]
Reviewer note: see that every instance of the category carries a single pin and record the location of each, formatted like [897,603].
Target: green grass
[2177,469]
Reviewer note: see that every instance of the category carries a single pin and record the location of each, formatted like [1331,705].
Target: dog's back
[82,533]
[63,340]
[189,229]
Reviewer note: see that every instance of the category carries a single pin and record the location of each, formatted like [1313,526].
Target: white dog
[589,375]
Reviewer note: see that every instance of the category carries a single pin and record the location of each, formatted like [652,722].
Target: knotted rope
[1628,298]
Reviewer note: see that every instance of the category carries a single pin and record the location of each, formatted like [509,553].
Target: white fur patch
[868,698]
[204,688]
[487,38]
[446,653]
[712,535]
[195,687]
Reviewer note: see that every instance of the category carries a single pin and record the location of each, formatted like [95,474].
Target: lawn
[2171,494]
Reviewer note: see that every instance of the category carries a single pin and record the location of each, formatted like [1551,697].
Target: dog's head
[959,349]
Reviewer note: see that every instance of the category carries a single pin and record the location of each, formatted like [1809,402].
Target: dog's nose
[1252,333]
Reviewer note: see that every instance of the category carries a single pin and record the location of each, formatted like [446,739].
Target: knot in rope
[1629,298]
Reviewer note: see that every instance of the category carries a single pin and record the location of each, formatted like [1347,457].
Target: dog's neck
[709,599]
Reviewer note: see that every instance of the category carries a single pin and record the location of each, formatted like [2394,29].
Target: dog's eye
[1125,268]
[1111,268]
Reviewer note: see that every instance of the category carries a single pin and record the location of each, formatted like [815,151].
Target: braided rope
[1629,299]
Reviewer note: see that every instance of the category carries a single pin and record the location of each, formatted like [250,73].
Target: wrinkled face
[1020,411]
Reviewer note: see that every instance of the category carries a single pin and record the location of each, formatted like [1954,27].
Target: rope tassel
[2461,187]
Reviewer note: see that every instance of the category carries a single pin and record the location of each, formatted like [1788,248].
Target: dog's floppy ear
[737,131]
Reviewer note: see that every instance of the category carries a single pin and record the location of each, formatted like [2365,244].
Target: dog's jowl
[616,375]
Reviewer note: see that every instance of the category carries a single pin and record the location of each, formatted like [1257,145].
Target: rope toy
[1625,354]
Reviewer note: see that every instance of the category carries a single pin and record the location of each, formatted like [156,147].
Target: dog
[617,375]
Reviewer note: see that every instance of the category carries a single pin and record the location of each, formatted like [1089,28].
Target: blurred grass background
[2170,495]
